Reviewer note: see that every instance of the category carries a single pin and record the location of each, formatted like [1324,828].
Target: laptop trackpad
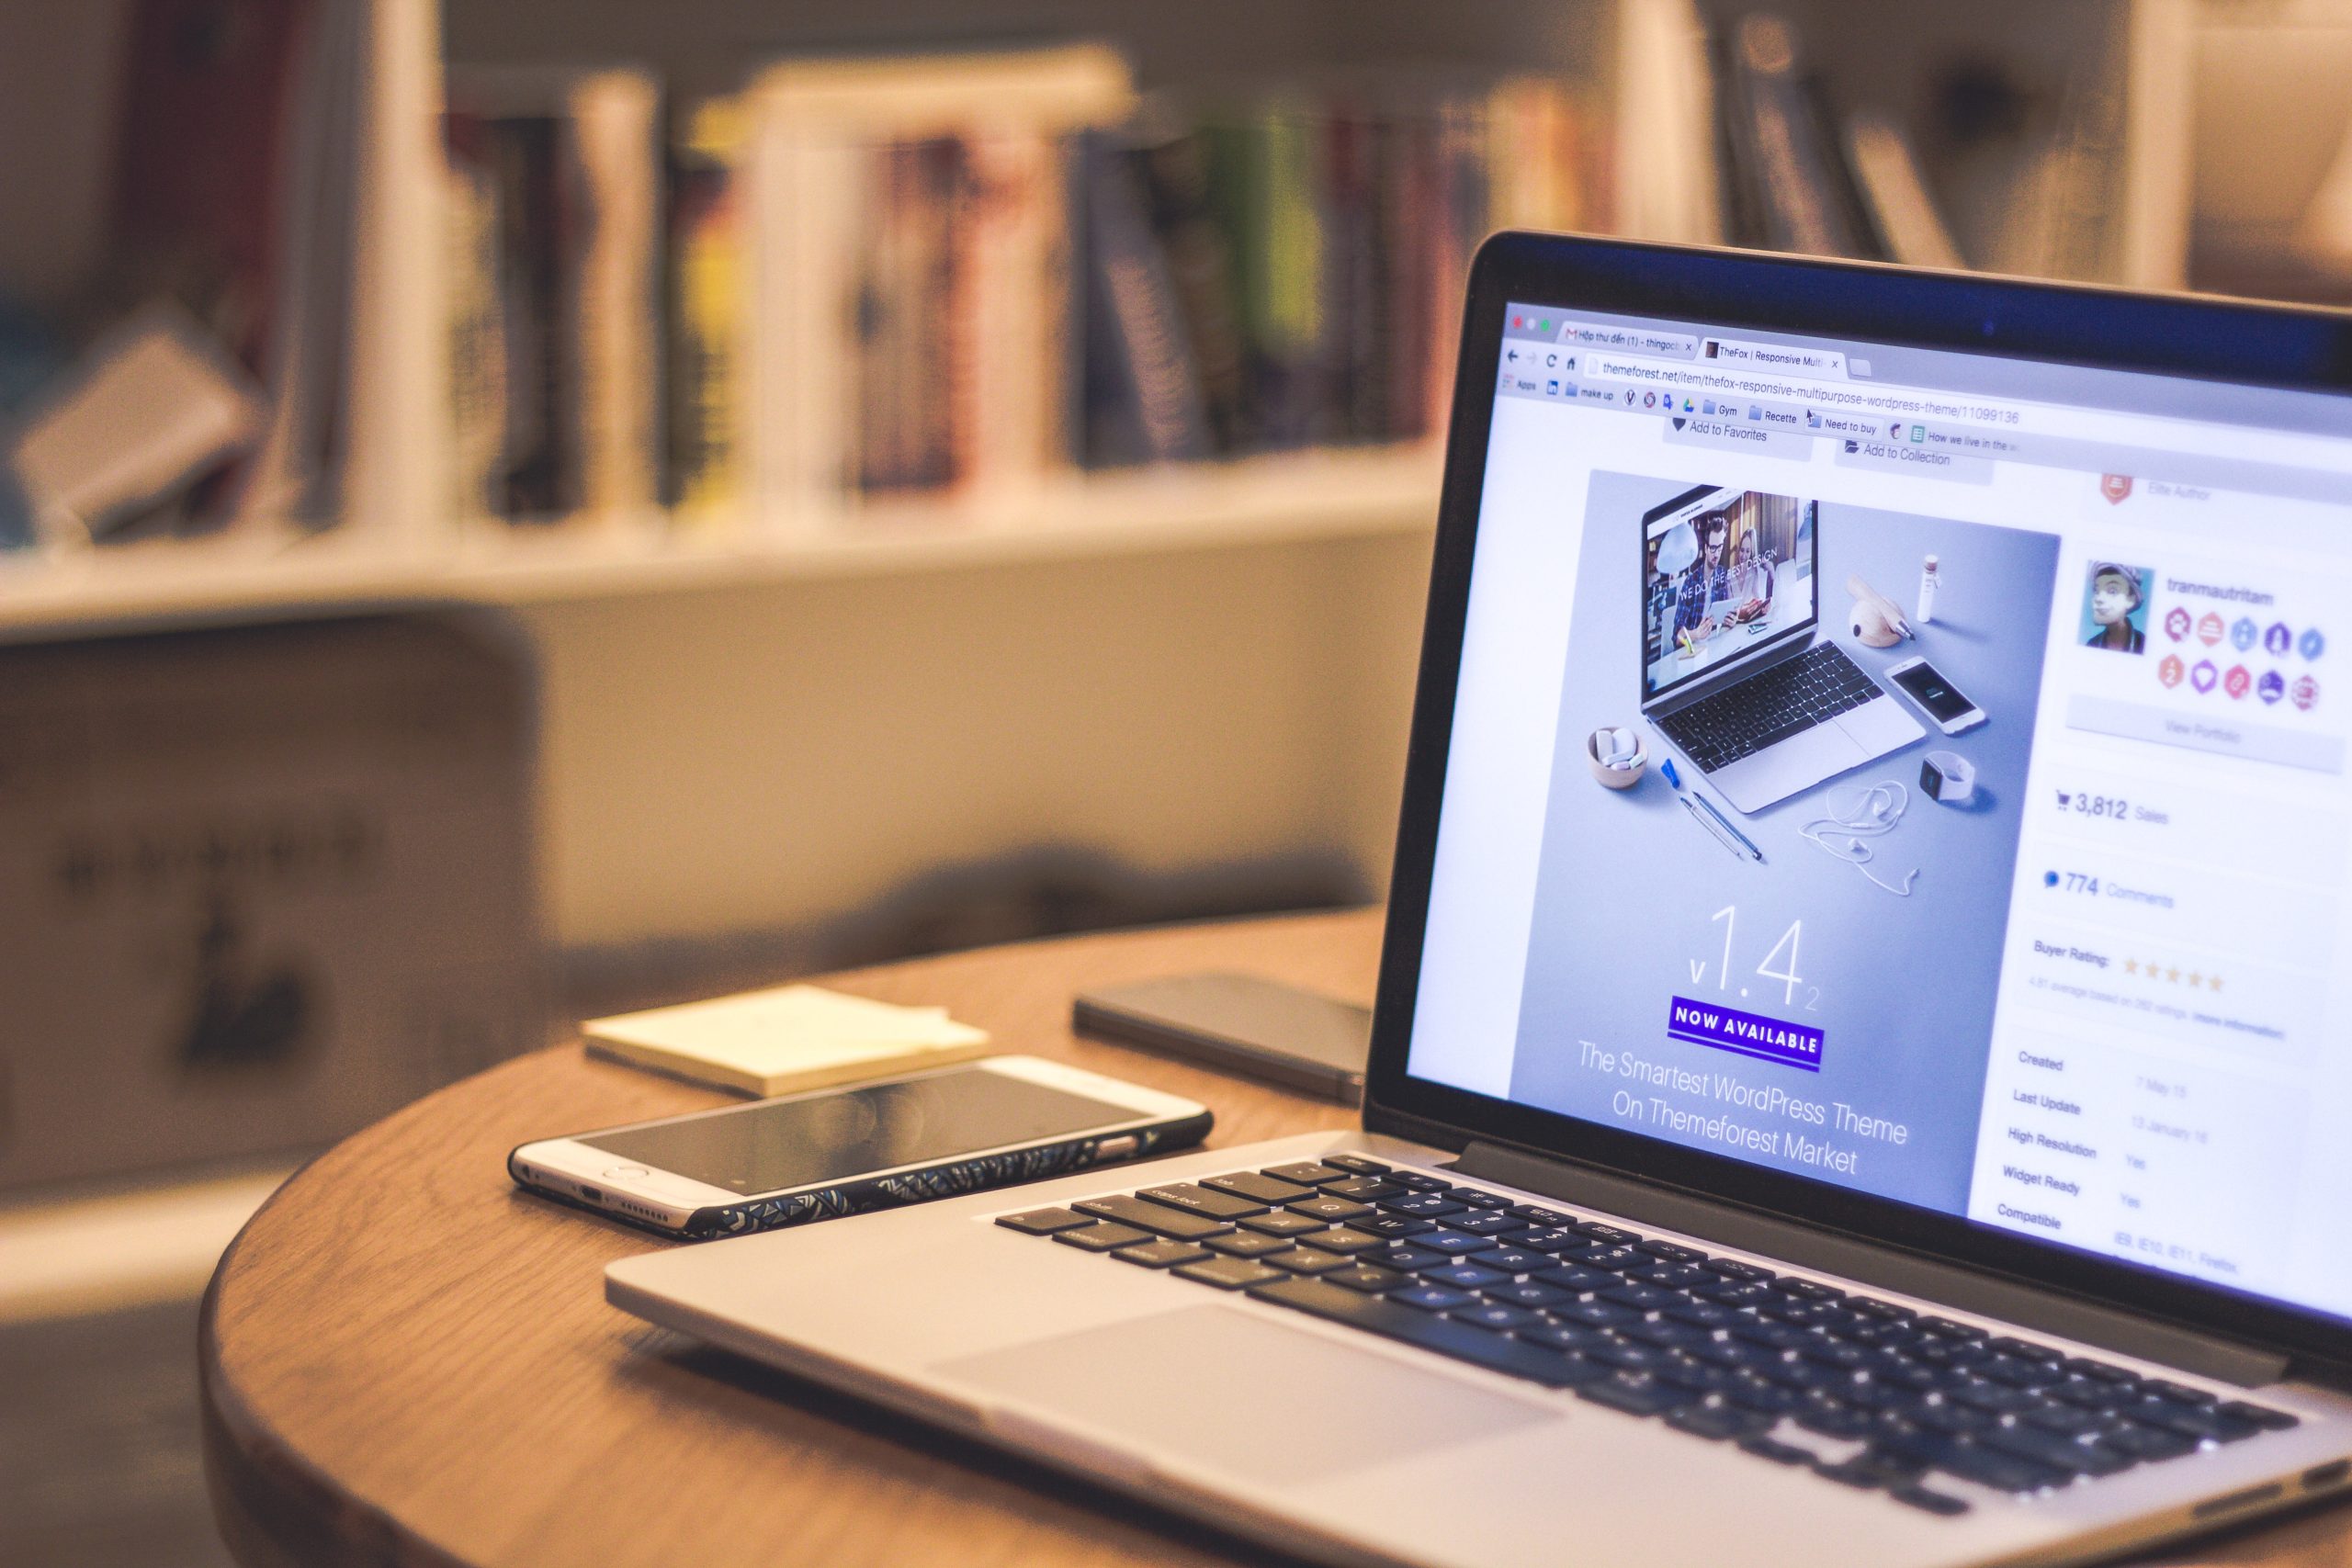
[1228,1389]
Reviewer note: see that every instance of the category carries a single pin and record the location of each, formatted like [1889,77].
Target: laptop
[1977,1199]
[1735,672]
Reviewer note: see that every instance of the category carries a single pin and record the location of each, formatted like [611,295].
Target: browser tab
[1826,364]
[1630,340]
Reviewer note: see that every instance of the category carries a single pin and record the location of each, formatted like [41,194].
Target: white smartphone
[1924,684]
[842,1151]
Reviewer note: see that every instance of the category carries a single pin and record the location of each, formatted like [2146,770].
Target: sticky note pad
[786,1038]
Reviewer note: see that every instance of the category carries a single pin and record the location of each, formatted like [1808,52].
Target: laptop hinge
[1888,1267]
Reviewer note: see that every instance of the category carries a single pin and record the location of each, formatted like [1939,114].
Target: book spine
[612,292]
[705,279]
[478,349]
[1207,276]
[1142,399]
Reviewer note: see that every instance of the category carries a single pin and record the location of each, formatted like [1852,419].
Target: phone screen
[1933,693]
[778,1145]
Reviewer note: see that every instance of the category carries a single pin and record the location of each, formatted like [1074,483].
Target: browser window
[2060,951]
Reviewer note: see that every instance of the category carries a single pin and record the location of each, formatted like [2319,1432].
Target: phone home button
[627,1173]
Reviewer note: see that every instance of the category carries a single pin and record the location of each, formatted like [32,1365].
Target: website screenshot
[1920,772]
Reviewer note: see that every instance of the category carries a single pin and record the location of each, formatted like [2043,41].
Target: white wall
[764,757]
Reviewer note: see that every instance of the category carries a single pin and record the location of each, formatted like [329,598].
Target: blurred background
[514,510]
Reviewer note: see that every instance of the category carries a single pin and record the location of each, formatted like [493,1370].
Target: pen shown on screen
[1704,812]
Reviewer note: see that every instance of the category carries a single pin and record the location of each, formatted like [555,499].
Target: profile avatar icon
[2115,608]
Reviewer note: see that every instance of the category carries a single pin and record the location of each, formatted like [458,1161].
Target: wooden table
[405,1361]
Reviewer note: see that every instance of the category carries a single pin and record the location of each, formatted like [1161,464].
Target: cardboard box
[259,886]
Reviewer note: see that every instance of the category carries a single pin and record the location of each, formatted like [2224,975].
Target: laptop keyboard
[1793,1370]
[1769,706]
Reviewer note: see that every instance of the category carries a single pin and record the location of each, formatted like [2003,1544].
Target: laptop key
[1465,1277]
[1306,1260]
[1308,1172]
[1453,1243]
[1365,1190]
[1403,1257]
[1638,1393]
[1510,1260]
[1493,1222]
[1102,1237]
[1331,1210]
[1431,1298]
[1422,1205]
[1496,1316]
[1932,1502]
[1162,1254]
[1246,1244]
[1173,1224]
[1043,1222]
[1394,1226]
[1194,1199]
[1258,1189]
[1230,1273]
[2057,1452]
[2267,1419]
[1281,1221]
[1381,1316]
[1357,1165]
[1369,1278]
[1346,1238]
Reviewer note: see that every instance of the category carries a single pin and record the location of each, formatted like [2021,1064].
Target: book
[558,164]
[1139,399]
[1797,178]
[707,313]
[912,294]
[785,1040]
[152,405]
[1910,228]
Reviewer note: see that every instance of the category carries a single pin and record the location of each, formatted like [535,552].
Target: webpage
[1936,792]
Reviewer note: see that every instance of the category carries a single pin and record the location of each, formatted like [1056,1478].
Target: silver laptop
[1976,1198]
[1735,669]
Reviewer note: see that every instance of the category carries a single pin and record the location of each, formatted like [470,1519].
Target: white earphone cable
[1874,813]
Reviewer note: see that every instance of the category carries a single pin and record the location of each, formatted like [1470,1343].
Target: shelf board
[1256,501]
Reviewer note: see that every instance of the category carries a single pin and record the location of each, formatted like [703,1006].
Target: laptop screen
[1726,574]
[2056,941]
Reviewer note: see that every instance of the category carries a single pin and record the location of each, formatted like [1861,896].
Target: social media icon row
[2237,680]
[2276,639]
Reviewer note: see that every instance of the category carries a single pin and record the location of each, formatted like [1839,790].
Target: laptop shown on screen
[1930,1155]
[1732,671]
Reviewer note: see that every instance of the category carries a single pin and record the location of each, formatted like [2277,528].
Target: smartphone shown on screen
[842,1151]
[1943,700]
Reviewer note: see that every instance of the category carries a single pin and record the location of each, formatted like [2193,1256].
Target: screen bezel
[2230,341]
[1747,659]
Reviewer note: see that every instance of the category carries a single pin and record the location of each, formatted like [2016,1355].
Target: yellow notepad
[786,1038]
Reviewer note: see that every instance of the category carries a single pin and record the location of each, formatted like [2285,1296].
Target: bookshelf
[1222,651]
[1272,500]
[1641,62]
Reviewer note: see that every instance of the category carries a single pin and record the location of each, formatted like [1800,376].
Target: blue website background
[1630,891]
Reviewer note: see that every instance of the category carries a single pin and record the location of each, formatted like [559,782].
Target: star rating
[2155,971]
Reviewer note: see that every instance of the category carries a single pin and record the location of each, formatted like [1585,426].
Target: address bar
[2024,418]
